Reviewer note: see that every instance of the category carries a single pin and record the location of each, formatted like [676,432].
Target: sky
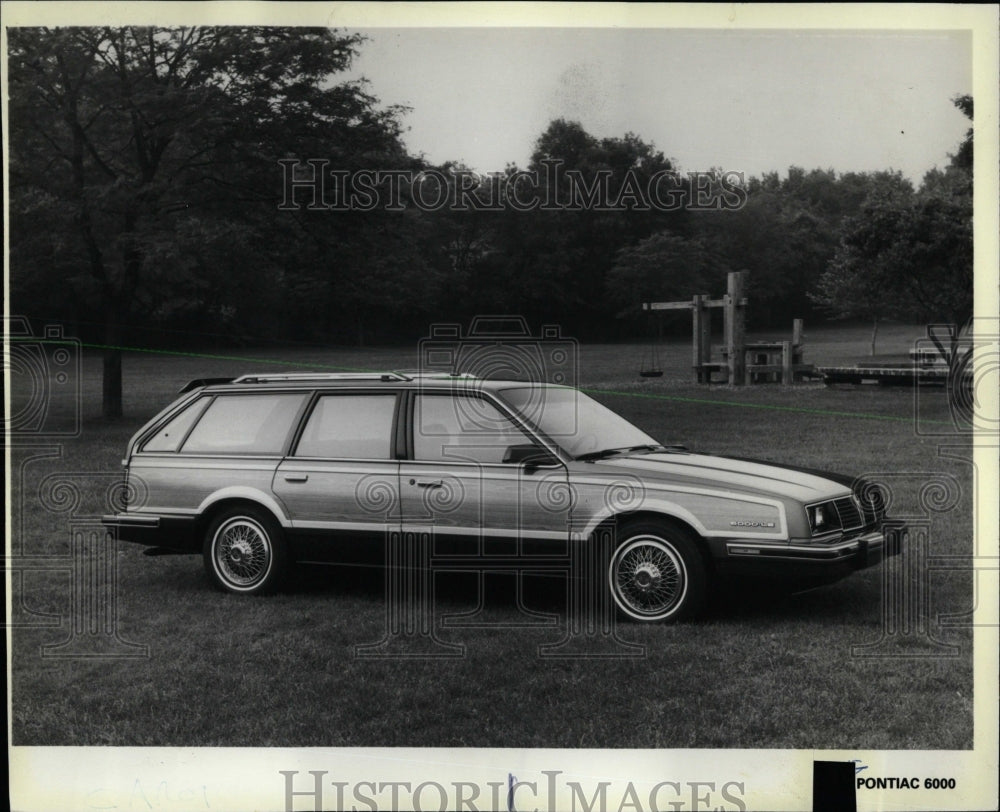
[750,101]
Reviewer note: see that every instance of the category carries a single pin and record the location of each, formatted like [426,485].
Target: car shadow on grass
[849,601]
[540,596]
[455,591]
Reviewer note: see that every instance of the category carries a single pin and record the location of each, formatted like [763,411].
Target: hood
[726,473]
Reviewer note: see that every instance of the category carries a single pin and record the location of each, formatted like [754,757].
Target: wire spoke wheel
[243,552]
[654,577]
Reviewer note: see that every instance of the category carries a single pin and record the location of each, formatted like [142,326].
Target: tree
[150,156]
[861,278]
[555,259]
[664,267]
[963,158]
[785,235]
[906,254]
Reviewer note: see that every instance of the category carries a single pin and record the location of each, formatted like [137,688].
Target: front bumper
[820,561]
[155,530]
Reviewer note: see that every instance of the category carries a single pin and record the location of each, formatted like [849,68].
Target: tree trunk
[111,404]
[874,335]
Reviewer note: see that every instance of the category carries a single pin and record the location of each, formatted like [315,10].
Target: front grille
[850,514]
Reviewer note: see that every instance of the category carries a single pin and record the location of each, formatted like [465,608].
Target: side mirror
[528,455]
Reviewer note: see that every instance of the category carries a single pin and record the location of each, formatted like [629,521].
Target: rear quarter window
[170,436]
[245,424]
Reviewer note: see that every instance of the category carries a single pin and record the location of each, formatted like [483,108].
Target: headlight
[818,519]
[842,514]
[823,518]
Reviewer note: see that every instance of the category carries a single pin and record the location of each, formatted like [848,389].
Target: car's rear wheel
[244,551]
[656,573]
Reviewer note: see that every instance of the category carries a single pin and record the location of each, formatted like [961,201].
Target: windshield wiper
[610,452]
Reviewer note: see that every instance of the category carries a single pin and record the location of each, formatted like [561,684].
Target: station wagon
[259,472]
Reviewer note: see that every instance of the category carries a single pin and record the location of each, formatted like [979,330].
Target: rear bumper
[819,561]
[155,530]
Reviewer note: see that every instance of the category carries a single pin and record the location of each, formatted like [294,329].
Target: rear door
[340,482]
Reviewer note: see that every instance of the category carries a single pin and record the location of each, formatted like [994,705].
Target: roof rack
[440,375]
[199,382]
[297,377]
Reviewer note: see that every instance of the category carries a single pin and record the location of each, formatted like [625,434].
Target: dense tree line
[906,253]
[147,190]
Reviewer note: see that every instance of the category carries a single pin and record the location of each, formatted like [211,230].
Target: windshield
[576,423]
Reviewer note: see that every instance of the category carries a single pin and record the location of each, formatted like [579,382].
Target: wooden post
[735,327]
[696,351]
[706,336]
[734,319]
[797,341]
[701,337]
[786,363]
[706,342]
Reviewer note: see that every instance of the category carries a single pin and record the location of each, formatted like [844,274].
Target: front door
[480,484]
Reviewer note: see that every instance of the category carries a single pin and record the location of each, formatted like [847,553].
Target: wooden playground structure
[741,362]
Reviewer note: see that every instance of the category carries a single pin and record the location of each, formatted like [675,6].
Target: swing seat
[651,373]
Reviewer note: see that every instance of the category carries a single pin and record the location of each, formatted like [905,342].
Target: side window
[169,437]
[349,427]
[463,429]
[245,424]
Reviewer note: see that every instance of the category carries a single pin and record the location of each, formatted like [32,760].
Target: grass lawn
[759,670]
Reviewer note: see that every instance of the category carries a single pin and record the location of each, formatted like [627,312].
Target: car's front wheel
[244,551]
[656,573]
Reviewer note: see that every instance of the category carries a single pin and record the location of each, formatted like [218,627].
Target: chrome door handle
[296,477]
[426,483]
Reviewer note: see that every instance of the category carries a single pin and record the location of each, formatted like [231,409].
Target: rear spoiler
[197,383]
